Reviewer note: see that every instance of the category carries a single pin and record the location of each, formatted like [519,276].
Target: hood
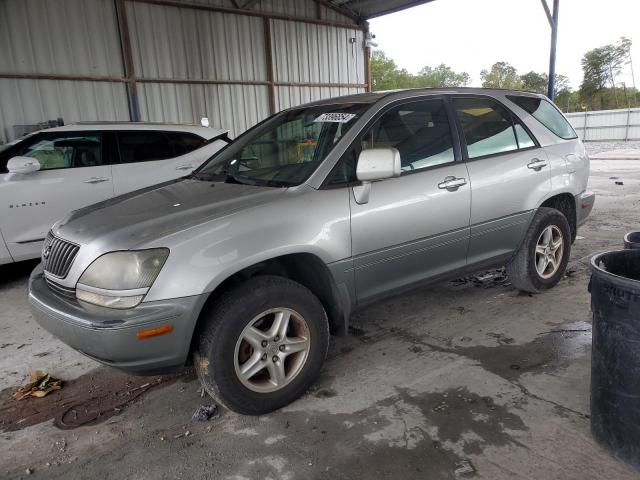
[146,215]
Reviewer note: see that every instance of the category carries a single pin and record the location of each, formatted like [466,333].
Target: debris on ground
[204,413]
[464,467]
[40,384]
[488,279]
[92,398]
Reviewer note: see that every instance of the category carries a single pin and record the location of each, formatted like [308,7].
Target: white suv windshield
[284,150]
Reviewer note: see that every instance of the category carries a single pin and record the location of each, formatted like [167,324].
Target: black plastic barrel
[615,354]
[632,240]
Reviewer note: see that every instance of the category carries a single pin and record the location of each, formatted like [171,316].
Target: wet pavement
[464,379]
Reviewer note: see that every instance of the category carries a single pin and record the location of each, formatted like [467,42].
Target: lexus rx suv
[246,266]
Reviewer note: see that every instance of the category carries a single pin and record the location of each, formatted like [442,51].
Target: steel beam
[249,13]
[127,61]
[553,23]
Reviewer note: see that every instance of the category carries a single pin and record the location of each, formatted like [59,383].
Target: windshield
[285,150]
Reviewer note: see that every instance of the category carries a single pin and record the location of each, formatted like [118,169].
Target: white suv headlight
[121,279]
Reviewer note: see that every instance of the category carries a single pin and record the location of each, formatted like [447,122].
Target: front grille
[59,289]
[58,255]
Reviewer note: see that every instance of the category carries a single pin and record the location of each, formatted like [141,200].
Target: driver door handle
[185,167]
[96,180]
[537,164]
[452,183]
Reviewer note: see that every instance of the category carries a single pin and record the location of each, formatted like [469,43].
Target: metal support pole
[268,53]
[367,56]
[127,60]
[553,21]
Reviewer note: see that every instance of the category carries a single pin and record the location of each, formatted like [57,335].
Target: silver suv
[247,265]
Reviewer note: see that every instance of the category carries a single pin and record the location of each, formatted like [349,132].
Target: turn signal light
[154,332]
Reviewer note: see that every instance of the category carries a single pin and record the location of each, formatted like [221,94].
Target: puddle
[457,412]
[550,351]
[89,399]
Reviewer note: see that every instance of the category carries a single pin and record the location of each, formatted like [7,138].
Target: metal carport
[234,61]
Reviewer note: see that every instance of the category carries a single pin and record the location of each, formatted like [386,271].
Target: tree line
[599,90]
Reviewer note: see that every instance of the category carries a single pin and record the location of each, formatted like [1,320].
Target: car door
[72,175]
[509,173]
[414,227]
[149,157]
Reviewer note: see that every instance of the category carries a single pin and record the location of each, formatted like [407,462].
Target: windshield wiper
[228,177]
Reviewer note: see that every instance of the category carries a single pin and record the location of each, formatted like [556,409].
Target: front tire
[262,345]
[542,259]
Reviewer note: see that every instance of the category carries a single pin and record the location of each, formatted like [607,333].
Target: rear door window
[546,113]
[490,128]
[144,146]
[184,143]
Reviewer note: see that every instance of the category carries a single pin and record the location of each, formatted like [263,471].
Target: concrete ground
[465,379]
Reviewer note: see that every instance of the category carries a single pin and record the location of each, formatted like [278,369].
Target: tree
[441,76]
[501,75]
[600,67]
[534,82]
[538,82]
[385,75]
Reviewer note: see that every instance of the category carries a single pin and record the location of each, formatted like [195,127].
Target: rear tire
[262,345]
[542,259]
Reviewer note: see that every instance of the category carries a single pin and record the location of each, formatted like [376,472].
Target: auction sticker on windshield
[335,117]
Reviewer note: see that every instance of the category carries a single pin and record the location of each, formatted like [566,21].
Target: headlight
[121,279]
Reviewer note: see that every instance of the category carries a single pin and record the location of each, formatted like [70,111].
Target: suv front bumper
[109,335]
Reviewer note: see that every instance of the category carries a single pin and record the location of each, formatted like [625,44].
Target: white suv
[57,170]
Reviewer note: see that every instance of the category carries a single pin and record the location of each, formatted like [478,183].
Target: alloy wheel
[272,350]
[549,251]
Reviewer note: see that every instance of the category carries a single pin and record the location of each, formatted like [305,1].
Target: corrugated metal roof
[366,9]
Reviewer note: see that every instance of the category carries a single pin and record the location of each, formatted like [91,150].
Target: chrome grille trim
[61,254]
[59,289]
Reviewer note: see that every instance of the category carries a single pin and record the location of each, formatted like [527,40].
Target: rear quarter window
[547,114]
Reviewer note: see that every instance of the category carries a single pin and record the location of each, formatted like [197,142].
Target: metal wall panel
[81,38]
[623,124]
[171,42]
[32,101]
[317,53]
[287,97]
[235,107]
[70,37]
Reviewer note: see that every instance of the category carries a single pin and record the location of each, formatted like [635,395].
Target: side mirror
[23,165]
[378,164]
[375,164]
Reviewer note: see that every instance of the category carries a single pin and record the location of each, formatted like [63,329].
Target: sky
[471,35]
